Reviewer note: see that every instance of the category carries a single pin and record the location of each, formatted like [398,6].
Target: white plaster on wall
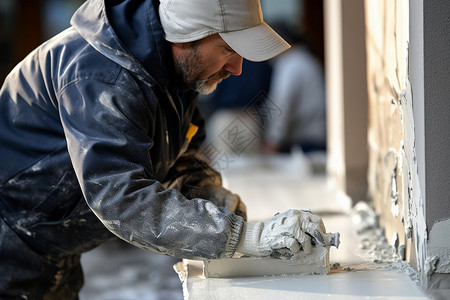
[438,251]
[414,211]
[393,175]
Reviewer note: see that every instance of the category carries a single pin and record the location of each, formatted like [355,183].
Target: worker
[99,131]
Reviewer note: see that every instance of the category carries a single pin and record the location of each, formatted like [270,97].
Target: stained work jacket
[94,136]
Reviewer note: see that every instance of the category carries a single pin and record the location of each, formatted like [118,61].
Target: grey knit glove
[220,196]
[291,230]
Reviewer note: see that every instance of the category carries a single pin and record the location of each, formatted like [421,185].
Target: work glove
[286,233]
[221,197]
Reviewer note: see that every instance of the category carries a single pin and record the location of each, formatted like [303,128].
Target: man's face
[204,63]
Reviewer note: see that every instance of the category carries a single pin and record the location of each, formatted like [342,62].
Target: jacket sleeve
[108,130]
[195,178]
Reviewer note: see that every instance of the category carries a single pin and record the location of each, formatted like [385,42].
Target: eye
[228,50]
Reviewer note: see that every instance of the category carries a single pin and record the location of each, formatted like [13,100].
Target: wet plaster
[438,250]
[407,131]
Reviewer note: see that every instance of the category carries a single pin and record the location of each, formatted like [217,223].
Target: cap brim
[256,43]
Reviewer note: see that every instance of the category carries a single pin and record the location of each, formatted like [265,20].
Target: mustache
[221,75]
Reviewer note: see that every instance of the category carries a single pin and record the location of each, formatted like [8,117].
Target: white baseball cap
[239,22]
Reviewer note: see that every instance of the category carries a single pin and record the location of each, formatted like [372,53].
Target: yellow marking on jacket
[191,132]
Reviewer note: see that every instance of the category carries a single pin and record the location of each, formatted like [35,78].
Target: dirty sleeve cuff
[236,225]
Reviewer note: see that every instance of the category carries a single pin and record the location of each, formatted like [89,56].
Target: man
[99,129]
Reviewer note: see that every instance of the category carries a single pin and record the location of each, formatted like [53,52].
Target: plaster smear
[373,246]
[438,251]
[393,176]
[414,211]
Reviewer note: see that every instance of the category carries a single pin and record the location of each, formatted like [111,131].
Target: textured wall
[430,75]
[436,43]
[393,178]
[408,73]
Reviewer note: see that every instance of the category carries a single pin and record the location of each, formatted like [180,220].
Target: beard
[191,69]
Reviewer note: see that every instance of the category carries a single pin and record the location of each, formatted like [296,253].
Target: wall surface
[430,41]
[436,43]
[393,177]
[409,166]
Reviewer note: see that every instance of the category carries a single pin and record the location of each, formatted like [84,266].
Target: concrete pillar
[430,77]
[345,71]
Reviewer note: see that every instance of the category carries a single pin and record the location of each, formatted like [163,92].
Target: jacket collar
[143,53]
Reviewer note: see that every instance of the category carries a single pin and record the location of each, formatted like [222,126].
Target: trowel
[280,262]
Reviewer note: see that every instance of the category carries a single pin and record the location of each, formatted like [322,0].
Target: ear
[180,45]
[180,48]
[183,46]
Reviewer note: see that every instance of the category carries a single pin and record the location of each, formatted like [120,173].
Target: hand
[221,197]
[294,230]
[234,203]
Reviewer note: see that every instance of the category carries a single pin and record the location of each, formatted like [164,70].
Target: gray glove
[291,230]
[220,196]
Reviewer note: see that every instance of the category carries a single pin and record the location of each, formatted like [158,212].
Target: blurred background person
[298,90]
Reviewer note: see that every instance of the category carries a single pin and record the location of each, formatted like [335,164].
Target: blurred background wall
[24,24]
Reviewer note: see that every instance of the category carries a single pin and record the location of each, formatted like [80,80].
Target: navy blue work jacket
[93,140]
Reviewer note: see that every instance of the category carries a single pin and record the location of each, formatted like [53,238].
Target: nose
[234,65]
